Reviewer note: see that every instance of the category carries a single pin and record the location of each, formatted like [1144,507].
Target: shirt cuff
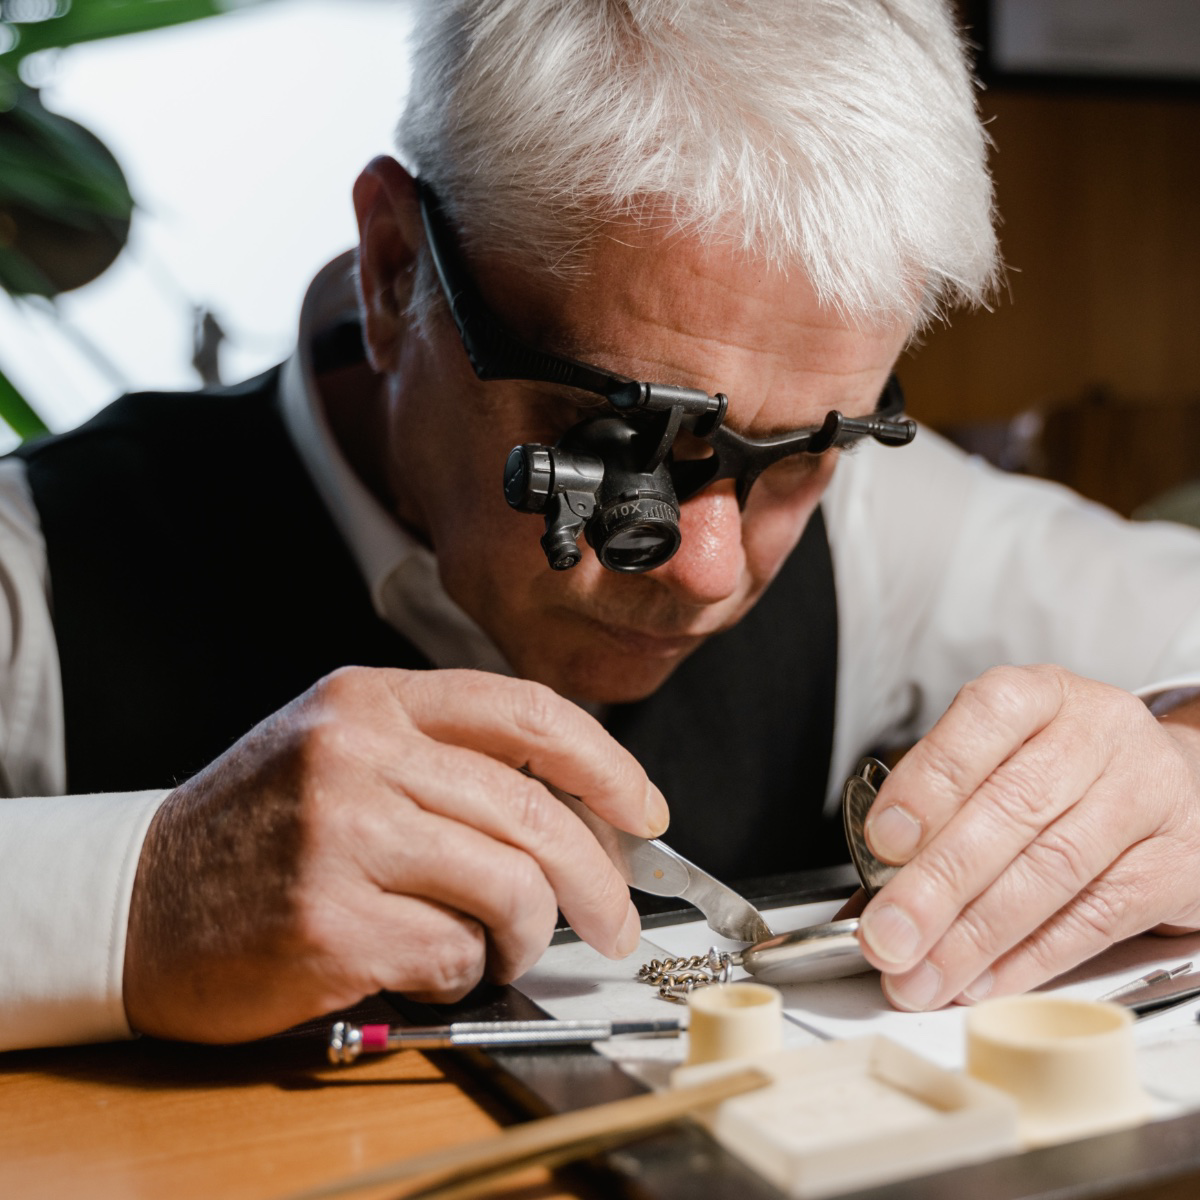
[67,866]
[1161,698]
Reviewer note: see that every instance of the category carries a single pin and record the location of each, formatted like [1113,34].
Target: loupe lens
[641,548]
[635,534]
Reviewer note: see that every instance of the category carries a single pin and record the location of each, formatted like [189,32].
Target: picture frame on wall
[1111,44]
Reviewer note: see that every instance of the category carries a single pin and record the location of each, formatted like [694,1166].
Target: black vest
[198,585]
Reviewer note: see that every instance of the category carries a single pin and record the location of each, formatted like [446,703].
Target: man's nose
[710,560]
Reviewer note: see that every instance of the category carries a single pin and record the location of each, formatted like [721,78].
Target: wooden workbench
[151,1120]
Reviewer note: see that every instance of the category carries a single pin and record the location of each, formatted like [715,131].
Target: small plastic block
[733,1021]
[1068,1063]
[854,1114]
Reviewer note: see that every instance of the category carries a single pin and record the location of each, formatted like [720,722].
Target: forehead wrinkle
[678,313]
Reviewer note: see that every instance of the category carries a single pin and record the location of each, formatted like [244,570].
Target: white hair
[837,136]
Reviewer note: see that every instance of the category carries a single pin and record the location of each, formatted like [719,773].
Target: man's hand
[1043,817]
[378,833]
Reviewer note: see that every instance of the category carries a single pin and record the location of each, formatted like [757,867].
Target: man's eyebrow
[850,443]
[849,438]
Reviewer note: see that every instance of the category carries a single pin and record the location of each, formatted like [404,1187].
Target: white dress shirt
[944,567]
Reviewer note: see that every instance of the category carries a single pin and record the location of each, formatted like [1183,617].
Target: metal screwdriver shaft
[347,1041]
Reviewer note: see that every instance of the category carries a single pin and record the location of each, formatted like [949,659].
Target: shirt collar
[400,571]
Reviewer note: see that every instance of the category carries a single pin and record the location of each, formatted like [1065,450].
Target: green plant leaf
[20,277]
[65,207]
[92,20]
[36,179]
[69,145]
[17,413]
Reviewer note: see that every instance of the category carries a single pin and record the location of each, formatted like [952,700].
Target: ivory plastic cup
[1068,1063]
[733,1020]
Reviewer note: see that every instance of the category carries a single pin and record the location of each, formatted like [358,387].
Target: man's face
[667,310]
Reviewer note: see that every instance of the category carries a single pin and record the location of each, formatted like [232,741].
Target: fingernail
[916,990]
[893,834]
[658,815]
[631,933]
[980,989]
[890,932]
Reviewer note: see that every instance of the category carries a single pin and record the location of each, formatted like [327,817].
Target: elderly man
[650,265]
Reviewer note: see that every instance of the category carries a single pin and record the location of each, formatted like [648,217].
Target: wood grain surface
[149,1119]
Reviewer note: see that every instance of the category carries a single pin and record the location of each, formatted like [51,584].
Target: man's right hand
[378,833]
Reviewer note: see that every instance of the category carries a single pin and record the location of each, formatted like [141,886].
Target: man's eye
[794,471]
[558,412]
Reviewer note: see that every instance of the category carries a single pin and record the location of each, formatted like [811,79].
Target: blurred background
[239,128]
[1088,369]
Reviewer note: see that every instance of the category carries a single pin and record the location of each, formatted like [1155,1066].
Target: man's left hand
[1043,818]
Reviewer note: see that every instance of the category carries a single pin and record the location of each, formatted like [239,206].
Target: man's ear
[390,234]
